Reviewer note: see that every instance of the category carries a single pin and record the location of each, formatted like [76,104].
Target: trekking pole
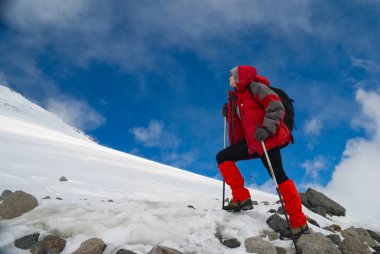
[298,251]
[224,182]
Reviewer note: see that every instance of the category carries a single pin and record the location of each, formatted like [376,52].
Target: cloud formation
[75,112]
[315,166]
[354,182]
[155,135]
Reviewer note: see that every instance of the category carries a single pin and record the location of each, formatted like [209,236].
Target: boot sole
[246,208]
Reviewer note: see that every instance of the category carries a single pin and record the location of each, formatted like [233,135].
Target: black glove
[261,134]
[225,110]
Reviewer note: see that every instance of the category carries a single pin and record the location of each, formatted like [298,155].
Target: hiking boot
[239,205]
[297,232]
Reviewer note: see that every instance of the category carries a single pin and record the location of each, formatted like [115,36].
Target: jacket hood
[245,74]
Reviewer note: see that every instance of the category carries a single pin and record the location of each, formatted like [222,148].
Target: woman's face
[232,81]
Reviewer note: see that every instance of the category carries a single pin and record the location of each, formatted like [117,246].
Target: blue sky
[150,77]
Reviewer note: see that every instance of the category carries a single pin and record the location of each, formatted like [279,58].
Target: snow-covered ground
[150,199]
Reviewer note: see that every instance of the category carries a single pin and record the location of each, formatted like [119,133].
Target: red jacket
[257,105]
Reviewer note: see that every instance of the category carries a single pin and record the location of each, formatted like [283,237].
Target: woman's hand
[261,134]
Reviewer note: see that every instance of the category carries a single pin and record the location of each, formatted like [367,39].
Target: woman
[260,118]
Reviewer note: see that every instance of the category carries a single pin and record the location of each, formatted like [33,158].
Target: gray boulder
[278,224]
[270,234]
[123,251]
[6,194]
[17,204]
[313,198]
[316,243]
[26,242]
[361,235]
[259,246]
[335,239]
[91,246]
[50,244]
[353,246]
[163,250]
[374,235]
[63,179]
[319,210]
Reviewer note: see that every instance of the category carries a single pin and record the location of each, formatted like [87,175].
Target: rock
[272,211]
[278,224]
[50,244]
[123,251]
[231,243]
[58,198]
[265,202]
[190,206]
[259,246]
[6,194]
[313,198]
[316,243]
[333,228]
[26,242]
[47,197]
[377,249]
[255,202]
[335,239]
[374,235]
[17,204]
[91,246]
[280,210]
[312,221]
[353,246]
[366,237]
[280,250]
[163,250]
[319,210]
[63,179]
[110,201]
[271,235]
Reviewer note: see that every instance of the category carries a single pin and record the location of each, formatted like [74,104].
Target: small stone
[63,179]
[316,243]
[163,250]
[47,197]
[333,228]
[312,221]
[50,244]
[353,246]
[272,211]
[259,246]
[335,239]
[265,202]
[280,250]
[255,202]
[59,198]
[231,243]
[123,251]
[6,194]
[17,204]
[91,246]
[190,206]
[110,201]
[26,242]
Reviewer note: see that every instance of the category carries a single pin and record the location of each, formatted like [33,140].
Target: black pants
[239,151]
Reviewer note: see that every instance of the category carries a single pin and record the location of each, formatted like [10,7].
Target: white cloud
[355,181]
[268,186]
[155,135]
[179,160]
[75,112]
[314,126]
[315,166]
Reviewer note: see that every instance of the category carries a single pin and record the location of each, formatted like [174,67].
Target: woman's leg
[226,163]
[287,188]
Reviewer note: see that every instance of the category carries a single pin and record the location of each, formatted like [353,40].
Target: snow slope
[150,199]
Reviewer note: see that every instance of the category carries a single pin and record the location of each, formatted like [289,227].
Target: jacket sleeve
[271,103]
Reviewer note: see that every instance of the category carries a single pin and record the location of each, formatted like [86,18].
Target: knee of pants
[219,157]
